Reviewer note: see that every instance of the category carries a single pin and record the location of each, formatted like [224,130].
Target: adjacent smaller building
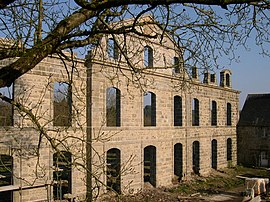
[253,136]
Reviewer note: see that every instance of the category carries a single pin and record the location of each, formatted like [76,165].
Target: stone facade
[128,152]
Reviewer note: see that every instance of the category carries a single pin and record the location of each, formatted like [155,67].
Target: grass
[222,180]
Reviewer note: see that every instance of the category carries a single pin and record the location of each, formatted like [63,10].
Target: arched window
[150,165]
[229,149]
[113,162]
[214,113]
[229,114]
[6,109]
[112,49]
[149,107]
[177,111]
[195,112]
[6,173]
[62,104]
[196,157]
[176,64]
[214,153]
[113,107]
[178,160]
[62,174]
[148,56]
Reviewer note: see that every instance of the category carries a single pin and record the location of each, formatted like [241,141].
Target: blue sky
[251,74]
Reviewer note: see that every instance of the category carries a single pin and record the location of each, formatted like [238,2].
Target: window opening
[149,109]
[177,111]
[61,174]
[214,154]
[195,112]
[150,165]
[196,157]
[112,49]
[114,170]
[229,149]
[113,107]
[6,177]
[229,114]
[228,80]
[148,56]
[62,104]
[6,109]
[214,113]
[176,64]
[178,161]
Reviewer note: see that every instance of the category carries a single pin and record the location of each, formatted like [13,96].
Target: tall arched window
[113,162]
[148,56]
[229,114]
[195,112]
[177,111]
[149,109]
[113,107]
[6,109]
[229,149]
[6,179]
[150,165]
[214,113]
[62,174]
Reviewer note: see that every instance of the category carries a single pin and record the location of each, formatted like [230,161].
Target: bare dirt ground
[222,185]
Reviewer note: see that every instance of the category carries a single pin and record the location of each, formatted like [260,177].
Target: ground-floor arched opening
[196,157]
[214,153]
[178,160]
[113,162]
[150,165]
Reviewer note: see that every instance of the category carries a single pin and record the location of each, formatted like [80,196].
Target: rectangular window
[6,109]
[62,104]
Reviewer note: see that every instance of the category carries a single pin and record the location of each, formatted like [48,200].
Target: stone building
[150,121]
[253,131]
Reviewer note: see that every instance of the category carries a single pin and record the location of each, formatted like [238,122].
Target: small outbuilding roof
[256,111]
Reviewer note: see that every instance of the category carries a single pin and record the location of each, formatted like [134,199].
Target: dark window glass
[176,64]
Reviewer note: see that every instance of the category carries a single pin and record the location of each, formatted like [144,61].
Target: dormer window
[148,56]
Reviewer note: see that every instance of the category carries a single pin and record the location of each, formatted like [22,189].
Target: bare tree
[30,31]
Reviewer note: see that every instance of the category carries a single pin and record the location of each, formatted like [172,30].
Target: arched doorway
[150,165]
[178,160]
[214,153]
[196,157]
[113,162]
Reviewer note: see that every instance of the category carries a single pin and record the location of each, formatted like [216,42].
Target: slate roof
[256,111]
